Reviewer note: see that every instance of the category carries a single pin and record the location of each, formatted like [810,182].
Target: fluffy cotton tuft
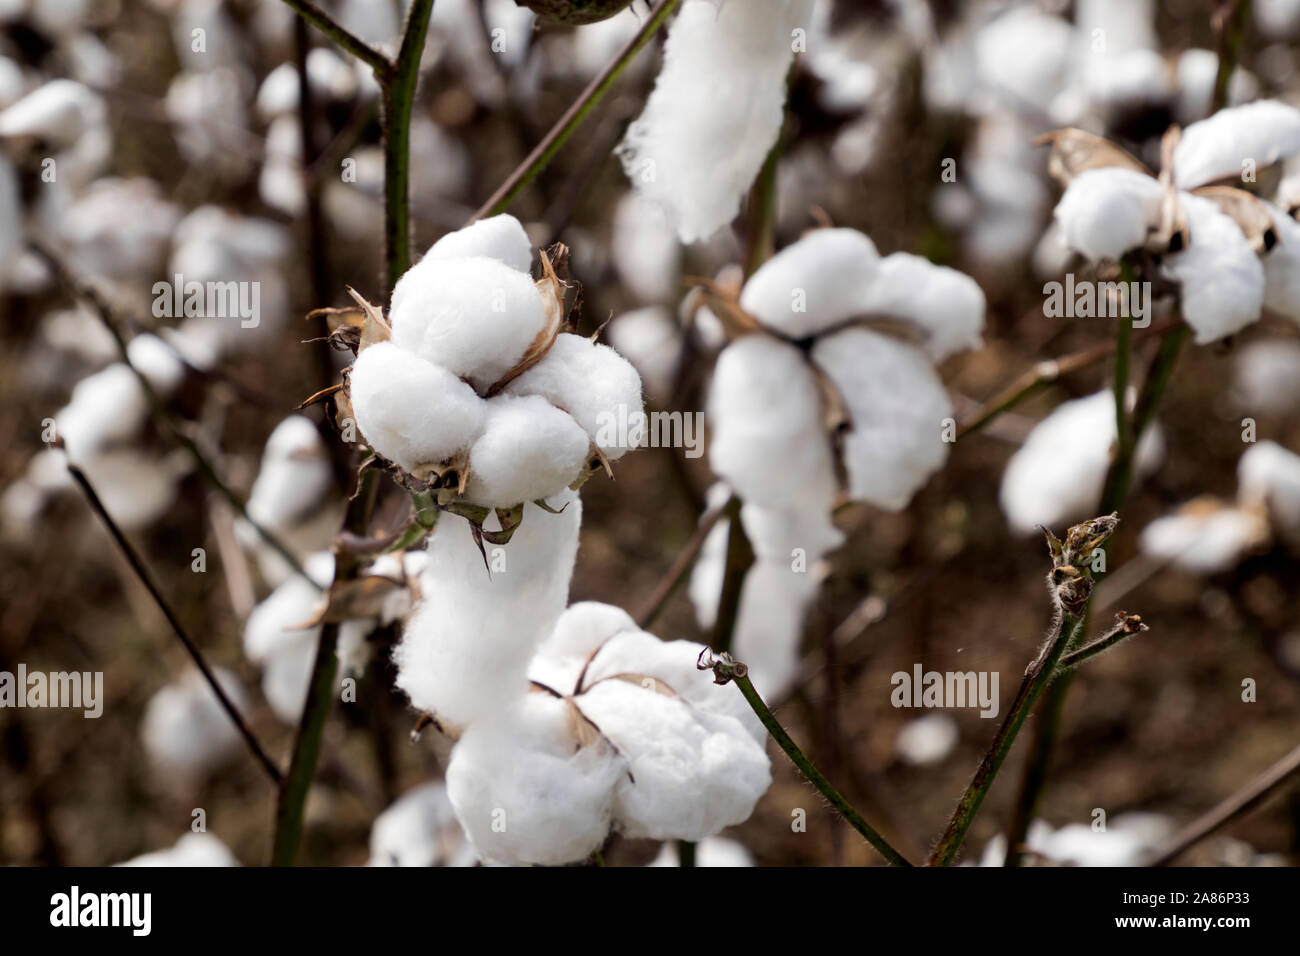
[411,411]
[1269,474]
[1216,148]
[186,731]
[1204,539]
[716,109]
[529,449]
[192,849]
[947,305]
[420,829]
[1104,213]
[498,237]
[1222,278]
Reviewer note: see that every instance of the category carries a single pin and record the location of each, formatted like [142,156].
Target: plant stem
[814,776]
[142,573]
[740,557]
[574,116]
[1230,31]
[1104,643]
[680,568]
[686,853]
[1037,676]
[349,41]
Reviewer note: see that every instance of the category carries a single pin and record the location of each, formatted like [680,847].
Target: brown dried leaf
[551,289]
[375,327]
[1075,150]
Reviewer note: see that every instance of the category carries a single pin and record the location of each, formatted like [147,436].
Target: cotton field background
[699,432]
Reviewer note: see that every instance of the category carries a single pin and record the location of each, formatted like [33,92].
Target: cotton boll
[69,117]
[813,284]
[772,453]
[186,731]
[1222,278]
[497,237]
[420,829]
[1024,56]
[525,792]
[581,630]
[711,852]
[529,449]
[948,305]
[410,411]
[79,332]
[1282,267]
[105,408]
[769,625]
[1279,19]
[192,849]
[1269,474]
[157,362]
[280,183]
[787,534]
[1204,538]
[1266,376]
[598,387]
[466,648]
[475,317]
[1106,212]
[926,740]
[645,250]
[690,773]
[1057,475]
[897,407]
[120,228]
[1197,74]
[293,477]
[698,154]
[1216,148]
[277,636]
[1126,840]
[652,342]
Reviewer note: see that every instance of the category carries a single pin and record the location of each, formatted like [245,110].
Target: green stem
[349,41]
[1231,32]
[686,853]
[1104,643]
[574,116]
[740,558]
[813,775]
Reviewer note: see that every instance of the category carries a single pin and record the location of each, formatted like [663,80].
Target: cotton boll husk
[420,829]
[1266,376]
[1269,474]
[497,237]
[1282,267]
[698,154]
[772,453]
[652,342]
[186,731]
[529,449]
[1057,475]
[192,849]
[645,250]
[1104,213]
[948,305]
[813,284]
[690,773]
[475,316]
[465,650]
[926,740]
[581,630]
[522,767]
[413,412]
[1215,148]
[1222,278]
[1204,540]
[714,851]
[593,383]
[897,407]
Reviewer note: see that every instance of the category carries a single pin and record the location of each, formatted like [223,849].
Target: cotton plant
[186,732]
[861,413]
[420,829]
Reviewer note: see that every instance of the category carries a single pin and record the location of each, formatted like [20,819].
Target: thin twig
[1125,626]
[349,41]
[142,572]
[681,566]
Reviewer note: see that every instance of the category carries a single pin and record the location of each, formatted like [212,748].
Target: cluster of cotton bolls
[862,416]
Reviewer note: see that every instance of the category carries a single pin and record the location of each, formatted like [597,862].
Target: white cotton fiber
[1204,540]
[1056,476]
[192,849]
[716,109]
[413,412]
[1266,376]
[770,624]
[1282,267]
[713,852]
[277,637]
[645,250]
[475,317]
[948,305]
[136,488]
[498,237]
[529,449]
[185,730]
[690,773]
[523,790]
[580,631]
[772,452]
[1222,278]
[784,534]
[294,476]
[898,408]
[157,362]
[926,740]
[420,829]
[465,649]
[1219,147]
[652,341]
[813,284]
[1106,212]
[106,408]
[1269,474]
[597,387]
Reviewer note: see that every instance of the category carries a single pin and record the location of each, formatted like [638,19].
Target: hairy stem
[349,41]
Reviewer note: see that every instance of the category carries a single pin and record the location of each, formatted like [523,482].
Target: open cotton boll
[529,449]
[645,250]
[694,152]
[581,630]
[475,317]
[1282,267]
[714,851]
[1196,76]
[769,625]
[690,773]
[1219,147]
[1057,474]
[1104,213]
[946,304]
[813,284]
[598,387]
[1266,376]
[410,411]
[1222,278]
[465,649]
[525,792]
[1269,474]
[420,829]
[498,237]
[157,362]
[119,228]
[897,407]
[192,849]
[1204,538]
[1024,57]
[926,740]
[294,475]
[772,453]
[652,341]
[186,731]
[789,534]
